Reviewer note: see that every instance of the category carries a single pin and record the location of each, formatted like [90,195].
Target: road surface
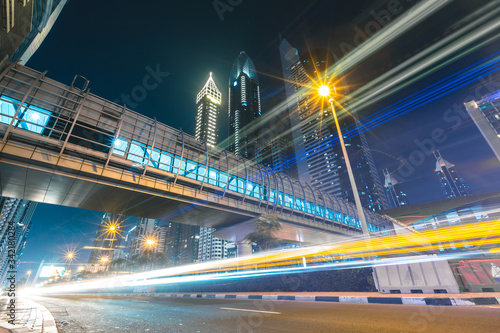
[75,314]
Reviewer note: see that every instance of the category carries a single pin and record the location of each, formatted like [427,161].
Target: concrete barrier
[427,277]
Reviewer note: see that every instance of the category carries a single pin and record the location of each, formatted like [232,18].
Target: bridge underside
[35,183]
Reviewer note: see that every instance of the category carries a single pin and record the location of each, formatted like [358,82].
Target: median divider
[441,300]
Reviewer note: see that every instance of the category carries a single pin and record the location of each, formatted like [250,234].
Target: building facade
[180,243]
[16,19]
[486,115]
[452,184]
[210,247]
[15,225]
[45,14]
[315,133]
[25,25]
[208,108]
[289,62]
[244,107]
[275,154]
[396,197]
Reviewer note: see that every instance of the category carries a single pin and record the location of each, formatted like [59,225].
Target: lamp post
[104,261]
[150,243]
[70,257]
[324,91]
[28,273]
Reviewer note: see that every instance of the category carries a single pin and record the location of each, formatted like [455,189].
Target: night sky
[112,43]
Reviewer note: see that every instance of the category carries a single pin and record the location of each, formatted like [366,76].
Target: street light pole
[70,256]
[325,91]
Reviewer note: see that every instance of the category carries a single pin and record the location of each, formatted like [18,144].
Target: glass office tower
[244,107]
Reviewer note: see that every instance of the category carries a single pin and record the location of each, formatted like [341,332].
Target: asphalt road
[146,314]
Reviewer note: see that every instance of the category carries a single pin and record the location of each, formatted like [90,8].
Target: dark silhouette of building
[244,107]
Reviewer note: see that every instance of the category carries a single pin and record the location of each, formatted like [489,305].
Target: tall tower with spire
[208,105]
[244,107]
[452,184]
[395,195]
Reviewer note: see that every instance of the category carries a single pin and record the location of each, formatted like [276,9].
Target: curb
[334,299]
[5,327]
[40,320]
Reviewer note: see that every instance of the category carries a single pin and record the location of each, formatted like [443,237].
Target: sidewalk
[30,317]
[465,299]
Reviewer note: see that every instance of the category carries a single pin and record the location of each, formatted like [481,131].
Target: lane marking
[233,309]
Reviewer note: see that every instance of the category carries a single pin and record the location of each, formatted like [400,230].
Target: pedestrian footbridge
[63,145]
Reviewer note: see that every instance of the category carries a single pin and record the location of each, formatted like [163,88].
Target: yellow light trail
[381,248]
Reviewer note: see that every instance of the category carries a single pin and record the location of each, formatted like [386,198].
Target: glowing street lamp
[324,91]
[28,273]
[70,257]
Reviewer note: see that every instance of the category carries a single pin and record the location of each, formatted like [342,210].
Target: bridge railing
[72,115]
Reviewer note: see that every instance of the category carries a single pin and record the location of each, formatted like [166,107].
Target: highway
[75,314]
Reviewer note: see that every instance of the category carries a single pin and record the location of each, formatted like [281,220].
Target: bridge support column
[243,248]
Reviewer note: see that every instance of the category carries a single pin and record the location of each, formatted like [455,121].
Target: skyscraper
[208,106]
[244,107]
[290,61]
[16,17]
[211,247]
[486,115]
[107,240]
[45,14]
[452,184]
[275,153]
[25,24]
[395,195]
[181,243]
[316,137]
[15,225]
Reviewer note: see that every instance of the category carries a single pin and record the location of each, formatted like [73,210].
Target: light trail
[384,250]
